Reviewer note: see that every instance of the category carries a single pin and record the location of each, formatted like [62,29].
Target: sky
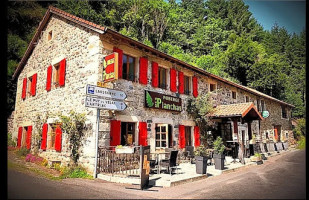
[289,14]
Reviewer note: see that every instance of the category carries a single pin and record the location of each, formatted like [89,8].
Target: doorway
[188,136]
[127,133]
[277,130]
[162,139]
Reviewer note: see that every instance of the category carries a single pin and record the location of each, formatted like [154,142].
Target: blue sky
[288,14]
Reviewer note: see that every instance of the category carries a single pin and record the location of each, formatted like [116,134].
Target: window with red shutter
[58,139]
[181,88]
[181,136]
[196,136]
[28,141]
[23,94]
[143,69]
[44,136]
[142,133]
[155,77]
[115,132]
[195,86]
[20,132]
[173,86]
[120,61]
[62,72]
[49,77]
[33,84]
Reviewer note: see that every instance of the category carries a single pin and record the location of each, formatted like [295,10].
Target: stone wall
[10,123]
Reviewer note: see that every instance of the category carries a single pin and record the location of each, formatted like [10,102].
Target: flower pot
[125,150]
[201,164]
[219,161]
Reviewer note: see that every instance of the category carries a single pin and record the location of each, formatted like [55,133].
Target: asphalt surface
[281,177]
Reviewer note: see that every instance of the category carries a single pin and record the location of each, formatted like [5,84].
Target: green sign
[162,101]
[265,114]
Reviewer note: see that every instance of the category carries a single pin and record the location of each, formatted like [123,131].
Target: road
[281,177]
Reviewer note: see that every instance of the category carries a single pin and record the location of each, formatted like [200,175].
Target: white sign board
[95,102]
[105,92]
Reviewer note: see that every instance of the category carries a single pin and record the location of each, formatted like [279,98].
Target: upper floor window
[233,94]
[247,98]
[187,85]
[262,105]
[50,35]
[212,87]
[284,112]
[128,67]
[56,75]
[162,77]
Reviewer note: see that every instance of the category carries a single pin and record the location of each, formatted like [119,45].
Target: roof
[103,30]
[236,110]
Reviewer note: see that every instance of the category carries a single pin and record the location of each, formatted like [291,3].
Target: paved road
[281,177]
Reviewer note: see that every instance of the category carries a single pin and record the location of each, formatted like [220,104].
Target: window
[162,78]
[29,86]
[51,136]
[233,94]
[128,67]
[188,135]
[284,112]
[212,87]
[187,85]
[247,98]
[161,135]
[127,133]
[50,35]
[226,131]
[24,137]
[262,105]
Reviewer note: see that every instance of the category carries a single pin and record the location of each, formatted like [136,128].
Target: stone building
[67,53]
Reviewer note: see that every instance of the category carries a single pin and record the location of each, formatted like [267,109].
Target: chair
[171,162]
[189,152]
[153,164]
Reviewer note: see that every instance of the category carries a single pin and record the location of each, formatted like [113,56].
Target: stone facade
[84,51]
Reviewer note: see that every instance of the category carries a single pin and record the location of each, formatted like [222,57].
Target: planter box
[270,147]
[219,161]
[125,150]
[285,145]
[279,146]
[201,164]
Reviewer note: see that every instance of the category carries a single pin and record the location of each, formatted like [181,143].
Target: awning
[243,110]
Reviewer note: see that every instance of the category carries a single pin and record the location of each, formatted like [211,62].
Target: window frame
[56,75]
[128,67]
[160,140]
[247,97]
[284,108]
[161,85]
[29,86]
[234,93]
[215,87]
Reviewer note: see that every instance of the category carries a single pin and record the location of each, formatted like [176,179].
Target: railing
[110,162]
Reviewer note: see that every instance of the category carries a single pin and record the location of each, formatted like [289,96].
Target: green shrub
[301,144]
[74,172]
[22,152]
[11,141]
[218,146]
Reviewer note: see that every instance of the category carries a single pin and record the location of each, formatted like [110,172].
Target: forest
[219,36]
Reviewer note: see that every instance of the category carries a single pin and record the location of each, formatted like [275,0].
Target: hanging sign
[110,67]
[105,92]
[95,102]
[162,101]
[265,114]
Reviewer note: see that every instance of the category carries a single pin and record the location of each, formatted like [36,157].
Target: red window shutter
[29,137]
[194,81]
[142,133]
[182,138]
[20,133]
[196,136]
[120,53]
[49,77]
[173,80]
[44,136]
[155,77]
[181,88]
[62,72]
[58,139]
[115,133]
[33,84]
[23,94]
[235,126]
[143,68]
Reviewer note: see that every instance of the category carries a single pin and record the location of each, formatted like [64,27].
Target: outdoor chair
[170,163]
[189,153]
[153,164]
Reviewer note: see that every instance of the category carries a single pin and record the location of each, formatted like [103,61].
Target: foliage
[74,172]
[300,128]
[22,152]
[201,151]
[11,141]
[258,155]
[219,146]
[301,144]
[74,126]
[34,159]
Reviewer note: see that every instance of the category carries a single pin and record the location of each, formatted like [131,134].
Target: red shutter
[115,133]
[194,81]
[44,136]
[62,72]
[181,87]
[33,84]
[182,138]
[155,77]
[29,137]
[235,126]
[20,133]
[58,139]
[49,78]
[142,133]
[120,53]
[23,94]
[196,136]
[173,80]
[143,68]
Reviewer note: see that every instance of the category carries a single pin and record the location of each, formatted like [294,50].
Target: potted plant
[201,158]
[257,158]
[252,141]
[218,153]
[124,149]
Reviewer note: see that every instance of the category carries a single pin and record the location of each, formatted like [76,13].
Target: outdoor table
[159,158]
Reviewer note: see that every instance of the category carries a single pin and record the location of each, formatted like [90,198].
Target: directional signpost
[96,102]
[105,92]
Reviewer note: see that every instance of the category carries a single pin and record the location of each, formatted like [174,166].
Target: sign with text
[105,92]
[162,101]
[265,114]
[144,166]
[95,102]
[110,67]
